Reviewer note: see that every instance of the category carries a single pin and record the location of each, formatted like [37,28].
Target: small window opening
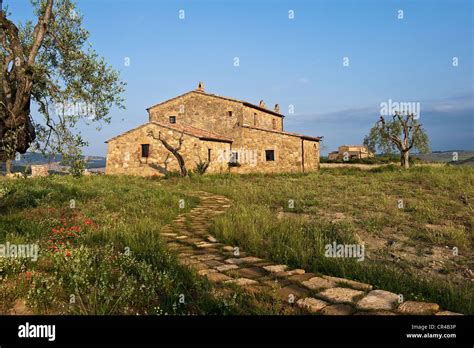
[269,155]
[145,150]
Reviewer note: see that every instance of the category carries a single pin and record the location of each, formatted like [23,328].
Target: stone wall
[124,152]
[287,150]
[212,113]
[256,118]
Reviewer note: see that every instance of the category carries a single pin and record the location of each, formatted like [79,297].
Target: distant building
[347,152]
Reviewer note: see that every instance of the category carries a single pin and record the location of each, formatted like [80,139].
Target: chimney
[200,87]
[277,108]
[261,104]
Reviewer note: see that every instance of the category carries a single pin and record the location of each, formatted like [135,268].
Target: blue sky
[292,61]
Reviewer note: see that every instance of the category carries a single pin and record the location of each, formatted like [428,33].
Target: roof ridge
[243,102]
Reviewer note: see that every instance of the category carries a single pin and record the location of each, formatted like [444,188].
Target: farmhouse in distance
[228,134]
[350,152]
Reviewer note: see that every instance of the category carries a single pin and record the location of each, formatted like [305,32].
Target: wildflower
[88,222]
[68,253]
[28,275]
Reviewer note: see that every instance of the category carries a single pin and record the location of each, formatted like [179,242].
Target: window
[255,119]
[172,119]
[209,155]
[145,150]
[274,123]
[229,113]
[269,155]
[234,157]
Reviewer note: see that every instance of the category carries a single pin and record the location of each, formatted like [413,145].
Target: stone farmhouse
[350,152]
[229,134]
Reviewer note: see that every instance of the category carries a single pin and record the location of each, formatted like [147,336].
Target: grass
[118,265]
[352,206]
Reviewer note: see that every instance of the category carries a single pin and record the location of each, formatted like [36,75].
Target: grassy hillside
[105,252]
[409,250]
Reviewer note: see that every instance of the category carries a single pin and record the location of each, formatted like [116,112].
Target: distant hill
[29,158]
[447,156]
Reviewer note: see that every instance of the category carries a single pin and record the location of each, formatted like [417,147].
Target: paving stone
[378,300]
[418,308]
[296,292]
[213,263]
[311,304]
[375,313]
[275,268]
[337,309]
[206,271]
[217,277]
[318,283]
[448,313]
[249,272]
[212,239]
[351,283]
[198,266]
[224,268]
[182,237]
[341,295]
[238,261]
[301,277]
[242,281]
[205,245]
[228,248]
[168,234]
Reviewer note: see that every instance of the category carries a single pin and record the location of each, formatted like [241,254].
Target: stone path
[189,237]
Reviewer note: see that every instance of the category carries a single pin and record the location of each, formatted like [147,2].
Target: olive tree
[402,133]
[47,63]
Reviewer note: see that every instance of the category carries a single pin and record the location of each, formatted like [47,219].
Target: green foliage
[70,81]
[380,139]
[201,167]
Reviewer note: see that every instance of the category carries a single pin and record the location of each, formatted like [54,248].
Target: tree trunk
[405,159]
[8,166]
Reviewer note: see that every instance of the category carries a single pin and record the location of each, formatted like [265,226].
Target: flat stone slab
[378,300]
[448,313]
[224,268]
[212,239]
[275,268]
[166,234]
[249,272]
[242,281]
[203,272]
[376,313]
[337,309]
[204,245]
[311,304]
[318,283]
[301,277]
[217,277]
[238,261]
[418,308]
[291,293]
[228,248]
[350,283]
[341,295]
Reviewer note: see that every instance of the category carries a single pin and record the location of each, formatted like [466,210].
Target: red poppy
[28,275]
[88,222]
[68,253]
